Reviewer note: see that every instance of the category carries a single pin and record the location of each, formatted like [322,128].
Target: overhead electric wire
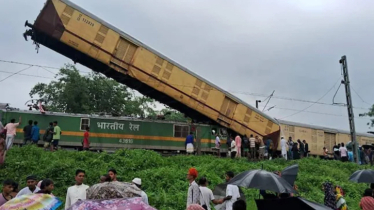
[360,96]
[29,75]
[322,113]
[15,73]
[181,85]
[48,70]
[312,103]
[36,65]
[268,100]
[290,99]
[28,64]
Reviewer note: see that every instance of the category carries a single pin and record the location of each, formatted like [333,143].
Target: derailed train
[111,133]
[86,39]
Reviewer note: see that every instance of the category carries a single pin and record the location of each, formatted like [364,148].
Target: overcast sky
[244,46]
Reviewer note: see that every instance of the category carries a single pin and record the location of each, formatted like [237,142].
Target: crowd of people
[73,194]
[255,148]
[200,197]
[344,152]
[31,134]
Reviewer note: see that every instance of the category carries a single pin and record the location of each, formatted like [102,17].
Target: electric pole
[343,62]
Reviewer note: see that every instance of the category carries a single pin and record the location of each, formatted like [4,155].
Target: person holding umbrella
[232,192]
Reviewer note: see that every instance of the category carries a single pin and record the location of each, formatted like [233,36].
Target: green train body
[111,133]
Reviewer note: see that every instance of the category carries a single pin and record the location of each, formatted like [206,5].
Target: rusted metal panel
[49,22]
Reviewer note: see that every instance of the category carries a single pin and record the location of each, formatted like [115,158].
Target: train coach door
[196,130]
[198,135]
[329,141]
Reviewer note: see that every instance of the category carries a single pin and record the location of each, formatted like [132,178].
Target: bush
[164,178]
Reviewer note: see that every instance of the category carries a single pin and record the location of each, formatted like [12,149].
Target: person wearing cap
[138,183]
[31,186]
[193,193]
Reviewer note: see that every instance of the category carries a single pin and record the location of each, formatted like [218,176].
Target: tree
[370,113]
[169,115]
[93,93]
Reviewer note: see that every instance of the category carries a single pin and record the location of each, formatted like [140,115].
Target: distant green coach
[110,133]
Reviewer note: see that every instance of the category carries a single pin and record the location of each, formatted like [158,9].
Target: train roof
[96,116]
[331,130]
[284,122]
[139,43]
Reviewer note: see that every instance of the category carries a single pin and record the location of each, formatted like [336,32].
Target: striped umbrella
[33,202]
[262,180]
[363,176]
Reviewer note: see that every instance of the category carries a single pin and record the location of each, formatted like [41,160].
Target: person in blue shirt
[189,143]
[350,156]
[35,133]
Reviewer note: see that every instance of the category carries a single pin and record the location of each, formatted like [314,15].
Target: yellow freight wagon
[318,137]
[75,33]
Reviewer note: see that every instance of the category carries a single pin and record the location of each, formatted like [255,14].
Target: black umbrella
[293,203]
[290,174]
[220,192]
[263,180]
[363,176]
[367,146]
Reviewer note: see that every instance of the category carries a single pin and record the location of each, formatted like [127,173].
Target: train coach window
[84,123]
[181,130]
[223,132]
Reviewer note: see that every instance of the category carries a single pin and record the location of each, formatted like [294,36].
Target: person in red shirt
[86,137]
[367,201]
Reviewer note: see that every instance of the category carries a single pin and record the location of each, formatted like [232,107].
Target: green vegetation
[73,92]
[164,178]
[370,113]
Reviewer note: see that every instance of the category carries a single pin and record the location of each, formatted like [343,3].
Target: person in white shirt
[218,145]
[206,194]
[31,186]
[78,191]
[343,153]
[233,149]
[232,192]
[193,193]
[138,183]
[284,147]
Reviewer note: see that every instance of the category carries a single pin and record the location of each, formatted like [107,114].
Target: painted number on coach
[79,18]
[126,141]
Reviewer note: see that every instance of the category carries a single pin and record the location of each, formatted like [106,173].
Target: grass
[164,178]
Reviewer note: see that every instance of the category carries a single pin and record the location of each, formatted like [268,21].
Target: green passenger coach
[111,133]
